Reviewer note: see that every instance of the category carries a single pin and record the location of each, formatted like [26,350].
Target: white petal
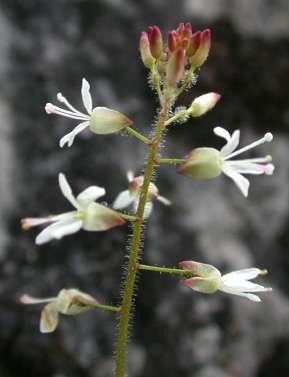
[49,318]
[86,96]
[244,274]
[247,167]
[89,195]
[27,299]
[164,200]
[242,182]
[66,190]
[219,131]
[123,200]
[69,138]
[231,144]
[147,210]
[58,230]
[130,175]
[243,286]
[250,296]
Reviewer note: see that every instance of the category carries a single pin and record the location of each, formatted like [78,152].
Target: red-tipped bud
[156,41]
[175,67]
[181,29]
[203,50]
[188,30]
[194,44]
[201,105]
[145,51]
[172,42]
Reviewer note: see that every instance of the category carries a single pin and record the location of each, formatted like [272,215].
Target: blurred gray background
[48,46]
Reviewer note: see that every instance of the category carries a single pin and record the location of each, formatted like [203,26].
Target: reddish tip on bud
[203,50]
[172,42]
[156,41]
[195,41]
[145,51]
[176,66]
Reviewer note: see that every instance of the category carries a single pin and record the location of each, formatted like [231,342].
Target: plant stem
[174,271]
[128,217]
[177,116]
[173,161]
[137,135]
[108,307]
[135,247]
[188,80]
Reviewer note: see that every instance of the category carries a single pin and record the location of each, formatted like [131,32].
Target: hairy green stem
[177,116]
[173,271]
[187,82]
[173,161]
[136,134]
[135,247]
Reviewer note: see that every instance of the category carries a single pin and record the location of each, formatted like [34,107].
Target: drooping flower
[131,195]
[206,163]
[208,279]
[87,215]
[100,120]
[68,302]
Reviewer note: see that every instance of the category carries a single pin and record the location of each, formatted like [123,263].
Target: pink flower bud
[203,50]
[145,51]
[175,67]
[156,41]
[195,41]
[201,105]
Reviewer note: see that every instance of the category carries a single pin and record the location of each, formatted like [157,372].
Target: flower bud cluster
[184,51]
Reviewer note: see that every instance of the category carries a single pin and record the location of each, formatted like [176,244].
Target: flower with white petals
[100,120]
[206,163]
[131,195]
[68,302]
[87,215]
[208,279]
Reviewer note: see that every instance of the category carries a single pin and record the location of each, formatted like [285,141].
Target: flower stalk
[135,247]
[172,271]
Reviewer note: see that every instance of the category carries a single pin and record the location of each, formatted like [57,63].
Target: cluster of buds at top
[184,49]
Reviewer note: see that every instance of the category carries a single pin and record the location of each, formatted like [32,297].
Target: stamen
[63,100]
[268,137]
[255,160]
[29,222]
[52,109]
[27,299]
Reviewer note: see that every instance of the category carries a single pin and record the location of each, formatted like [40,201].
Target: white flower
[131,196]
[68,302]
[235,168]
[207,163]
[208,279]
[100,120]
[87,215]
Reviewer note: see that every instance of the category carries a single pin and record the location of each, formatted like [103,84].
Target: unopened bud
[195,41]
[203,104]
[202,163]
[203,50]
[98,217]
[145,51]
[172,40]
[156,41]
[106,121]
[175,67]
[72,302]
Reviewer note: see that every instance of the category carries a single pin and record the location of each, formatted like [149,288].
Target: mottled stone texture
[176,332]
